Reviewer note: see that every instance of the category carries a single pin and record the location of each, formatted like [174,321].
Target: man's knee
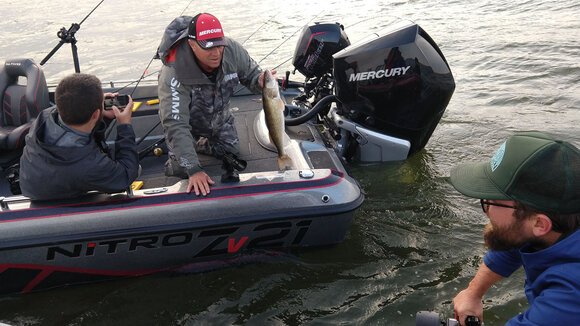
[233,148]
[173,169]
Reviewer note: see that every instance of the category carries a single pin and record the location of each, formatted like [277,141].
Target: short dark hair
[77,97]
[563,223]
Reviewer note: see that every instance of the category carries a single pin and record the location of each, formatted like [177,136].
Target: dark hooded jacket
[58,163]
[190,103]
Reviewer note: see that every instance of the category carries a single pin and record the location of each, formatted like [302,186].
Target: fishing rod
[276,48]
[288,38]
[373,18]
[68,36]
[151,61]
[155,56]
[149,148]
[253,33]
[257,29]
[144,75]
[347,27]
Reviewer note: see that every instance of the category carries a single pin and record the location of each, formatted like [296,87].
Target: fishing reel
[13,178]
[68,36]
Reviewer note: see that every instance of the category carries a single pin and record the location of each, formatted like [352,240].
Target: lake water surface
[415,241]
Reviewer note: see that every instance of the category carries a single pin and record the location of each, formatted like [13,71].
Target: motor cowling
[315,47]
[397,83]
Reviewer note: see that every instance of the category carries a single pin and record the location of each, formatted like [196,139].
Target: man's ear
[542,225]
[95,117]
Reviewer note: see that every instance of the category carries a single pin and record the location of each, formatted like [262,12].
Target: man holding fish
[201,68]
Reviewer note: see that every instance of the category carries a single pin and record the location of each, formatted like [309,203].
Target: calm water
[415,242]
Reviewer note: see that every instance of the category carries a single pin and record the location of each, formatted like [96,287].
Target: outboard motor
[317,44]
[313,58]
[381,98]
[393,88]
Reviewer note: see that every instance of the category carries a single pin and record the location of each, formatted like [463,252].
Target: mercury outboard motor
[317,44]
[313,59]
[384,95]
[393,88]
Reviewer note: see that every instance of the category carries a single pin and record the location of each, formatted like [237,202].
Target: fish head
[269,80]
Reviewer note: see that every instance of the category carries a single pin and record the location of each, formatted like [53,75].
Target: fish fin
[281,106]
[285,162]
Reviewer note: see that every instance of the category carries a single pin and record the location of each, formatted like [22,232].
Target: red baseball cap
[207,31]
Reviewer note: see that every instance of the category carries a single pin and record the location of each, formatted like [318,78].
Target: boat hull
[164,229]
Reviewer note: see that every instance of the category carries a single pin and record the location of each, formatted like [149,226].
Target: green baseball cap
[530,167]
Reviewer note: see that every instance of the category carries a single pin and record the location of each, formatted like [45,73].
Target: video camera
[431,318]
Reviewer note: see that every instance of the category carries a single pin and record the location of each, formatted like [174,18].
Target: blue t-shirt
[552,280]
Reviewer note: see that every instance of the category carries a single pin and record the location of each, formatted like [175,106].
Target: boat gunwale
[333,177]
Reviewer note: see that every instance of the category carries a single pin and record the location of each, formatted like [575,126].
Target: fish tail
[285,162]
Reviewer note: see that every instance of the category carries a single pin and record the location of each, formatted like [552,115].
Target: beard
[502,239]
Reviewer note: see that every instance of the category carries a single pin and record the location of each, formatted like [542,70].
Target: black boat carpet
[245,109]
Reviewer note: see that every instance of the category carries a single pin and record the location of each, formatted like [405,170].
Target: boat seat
[20,104]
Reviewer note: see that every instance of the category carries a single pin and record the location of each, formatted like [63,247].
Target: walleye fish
[274,113]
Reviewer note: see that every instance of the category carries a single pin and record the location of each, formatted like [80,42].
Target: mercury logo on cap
[207,30]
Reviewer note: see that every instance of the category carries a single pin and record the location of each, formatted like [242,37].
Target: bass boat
[374,101]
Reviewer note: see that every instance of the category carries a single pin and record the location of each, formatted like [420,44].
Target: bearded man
[530,191]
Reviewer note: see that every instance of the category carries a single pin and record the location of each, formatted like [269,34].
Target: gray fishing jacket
[51,170]
[190,104]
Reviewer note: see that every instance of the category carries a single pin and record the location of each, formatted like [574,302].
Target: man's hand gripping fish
[274,112]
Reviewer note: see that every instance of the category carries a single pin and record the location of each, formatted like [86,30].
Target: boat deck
[245,108]
[259,159]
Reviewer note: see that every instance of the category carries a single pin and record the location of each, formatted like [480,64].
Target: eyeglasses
[485,205]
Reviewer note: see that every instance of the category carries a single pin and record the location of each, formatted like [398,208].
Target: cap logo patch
[210,31]
[497,157]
